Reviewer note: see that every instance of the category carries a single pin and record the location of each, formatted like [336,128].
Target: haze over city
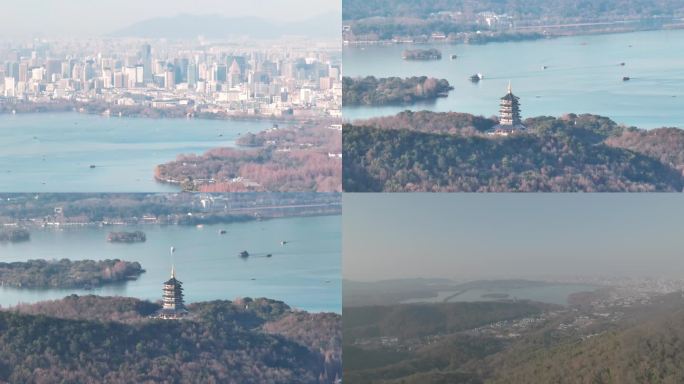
[75,18]
[478,236]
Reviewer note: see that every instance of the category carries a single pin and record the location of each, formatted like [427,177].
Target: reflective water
[583,75]
[54,152]
[305,272]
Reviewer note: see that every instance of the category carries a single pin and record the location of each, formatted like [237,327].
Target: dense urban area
[186,78]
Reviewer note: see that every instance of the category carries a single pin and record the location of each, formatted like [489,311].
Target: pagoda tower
[172,307]
[509,114]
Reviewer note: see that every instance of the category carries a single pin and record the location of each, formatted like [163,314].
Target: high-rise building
[23,71]
[139,75]
[120,80]
[53,67]
[192,75]
[37,73]
[220,72]
[170,78]
[181,67]
[146,60]
[131,76]
[334,71]
[13,70]
[10,87]
[234,74]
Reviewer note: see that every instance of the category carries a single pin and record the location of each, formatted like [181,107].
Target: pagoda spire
[173,306]
[509,114]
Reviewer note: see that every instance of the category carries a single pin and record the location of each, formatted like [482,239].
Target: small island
[127,237]
[392,90]
[65,273]
[422,54]
[14,235]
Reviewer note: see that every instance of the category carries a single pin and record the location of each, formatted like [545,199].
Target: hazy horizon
[75,18]
[490,236]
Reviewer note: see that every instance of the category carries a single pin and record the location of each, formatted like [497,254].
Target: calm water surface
[552,294]
[305,273]
[53,152]
[583,76]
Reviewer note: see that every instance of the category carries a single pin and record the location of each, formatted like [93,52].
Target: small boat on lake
[626,78]
[476,77]
[244,254]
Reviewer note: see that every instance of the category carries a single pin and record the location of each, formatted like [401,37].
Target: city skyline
[281,80]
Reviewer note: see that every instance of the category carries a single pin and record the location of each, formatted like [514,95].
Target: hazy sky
[512,235]
[77,17]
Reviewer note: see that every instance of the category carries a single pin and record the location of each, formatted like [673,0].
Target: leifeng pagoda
[173,306]
[509,115]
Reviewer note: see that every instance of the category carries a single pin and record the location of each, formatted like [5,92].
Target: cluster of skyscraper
[259,82]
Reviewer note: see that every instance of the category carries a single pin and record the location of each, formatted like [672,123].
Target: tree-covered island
[422,54]
[392,90]
[66,273]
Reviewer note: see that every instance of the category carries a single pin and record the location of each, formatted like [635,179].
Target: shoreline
[244,118]
[547,36]
[139,111]
[99,224]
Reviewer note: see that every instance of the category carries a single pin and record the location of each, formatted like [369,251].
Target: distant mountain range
[327,25]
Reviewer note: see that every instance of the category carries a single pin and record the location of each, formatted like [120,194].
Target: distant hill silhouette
[327,25]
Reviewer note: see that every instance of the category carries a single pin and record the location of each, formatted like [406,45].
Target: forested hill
[100,339]
[436,333]
[419,320]
[652,351]
[428,151]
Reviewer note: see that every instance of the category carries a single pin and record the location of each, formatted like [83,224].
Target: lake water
[583,76]
[304,273]
[53,152]
[552,294]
